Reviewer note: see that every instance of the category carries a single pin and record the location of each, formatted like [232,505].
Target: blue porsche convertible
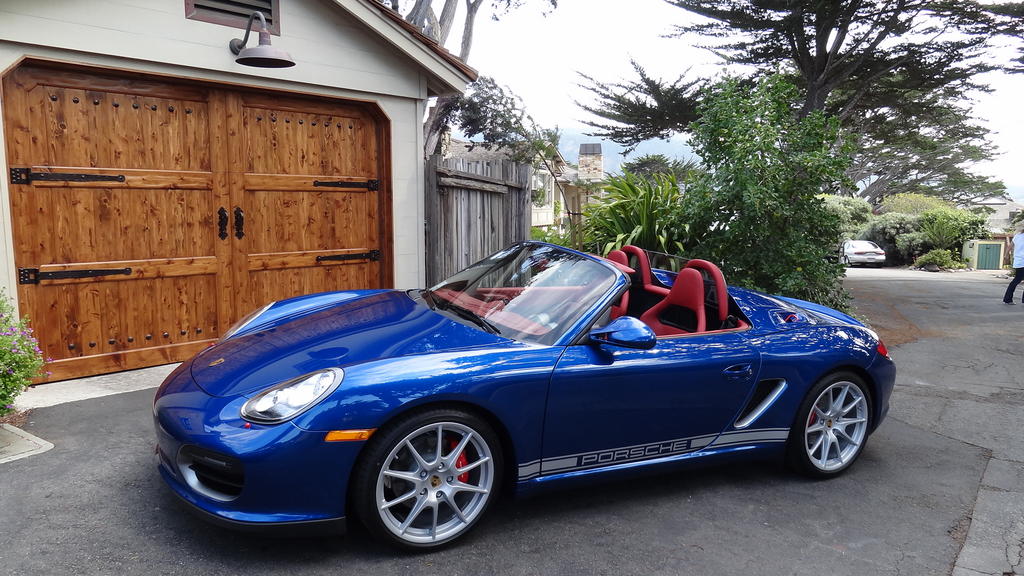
[536,367]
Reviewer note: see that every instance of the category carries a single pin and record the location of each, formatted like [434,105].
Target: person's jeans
[1017,277]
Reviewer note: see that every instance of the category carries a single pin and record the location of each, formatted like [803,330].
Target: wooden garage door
[149,215]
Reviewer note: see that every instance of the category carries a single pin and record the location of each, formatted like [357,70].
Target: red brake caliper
[460,461]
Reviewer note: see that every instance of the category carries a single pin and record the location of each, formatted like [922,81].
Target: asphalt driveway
[94,504]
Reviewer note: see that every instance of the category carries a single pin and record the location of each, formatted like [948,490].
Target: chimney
[591,163]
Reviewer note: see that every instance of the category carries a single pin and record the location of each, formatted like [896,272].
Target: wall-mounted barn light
[262,56]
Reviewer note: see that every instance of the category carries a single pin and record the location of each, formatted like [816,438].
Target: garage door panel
[89,128]
[299,221]
[70,225]
[103,317]
[289,142]
[272,285]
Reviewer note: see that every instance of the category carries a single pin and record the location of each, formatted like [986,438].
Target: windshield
[529,292]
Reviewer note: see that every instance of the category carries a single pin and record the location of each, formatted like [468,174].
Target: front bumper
[883,373]
[243,474]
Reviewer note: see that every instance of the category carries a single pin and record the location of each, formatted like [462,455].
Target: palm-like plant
[634,210]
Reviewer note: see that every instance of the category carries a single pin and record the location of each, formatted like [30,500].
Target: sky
[540,58]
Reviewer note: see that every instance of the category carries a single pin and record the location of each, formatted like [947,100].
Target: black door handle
[222,223]
[239,223]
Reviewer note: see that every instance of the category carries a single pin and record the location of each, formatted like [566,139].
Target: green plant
[940,258]
[550,234]
[887,228]
[757,211]
[908,203]
[853,213]
[949,228]
[21,360]
[634,210]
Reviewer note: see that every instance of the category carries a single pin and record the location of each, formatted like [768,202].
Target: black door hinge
[372,256]
[34,276]
[27,176]
[371,185]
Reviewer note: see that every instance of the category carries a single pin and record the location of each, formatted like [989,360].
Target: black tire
[826,444]
[416,492]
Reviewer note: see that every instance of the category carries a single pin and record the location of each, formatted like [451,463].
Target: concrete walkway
[16,443]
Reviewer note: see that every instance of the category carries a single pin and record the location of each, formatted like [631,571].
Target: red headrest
[720,288]
[688,290]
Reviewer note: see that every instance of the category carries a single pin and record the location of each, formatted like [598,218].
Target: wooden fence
[474,208]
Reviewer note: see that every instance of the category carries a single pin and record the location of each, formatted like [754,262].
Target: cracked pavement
[959,353]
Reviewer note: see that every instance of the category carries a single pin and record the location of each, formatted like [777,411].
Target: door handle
[239,223]
[738,372]
[222,223]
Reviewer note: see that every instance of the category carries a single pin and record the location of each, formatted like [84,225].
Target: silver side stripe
[585,460]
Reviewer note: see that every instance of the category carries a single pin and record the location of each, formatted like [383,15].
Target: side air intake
[766,393]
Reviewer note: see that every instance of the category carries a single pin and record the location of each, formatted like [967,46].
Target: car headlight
[291,398]
[245,321]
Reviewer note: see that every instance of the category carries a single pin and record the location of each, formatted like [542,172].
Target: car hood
[367,327]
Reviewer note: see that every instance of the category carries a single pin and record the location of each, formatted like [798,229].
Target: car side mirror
[627,332]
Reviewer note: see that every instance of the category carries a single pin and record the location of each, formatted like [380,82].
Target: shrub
[940,258]
[633,210]
[884,231]
[757,209]
[853,213]
[949,228]
[21,360]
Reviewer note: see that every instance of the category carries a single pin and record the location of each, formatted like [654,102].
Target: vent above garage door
[234,13]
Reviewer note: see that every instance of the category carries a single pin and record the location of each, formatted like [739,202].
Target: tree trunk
[446,20]
[432,126]
[417,15]
[472,6]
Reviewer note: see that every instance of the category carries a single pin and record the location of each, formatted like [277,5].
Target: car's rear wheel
[831,427]
[428,478]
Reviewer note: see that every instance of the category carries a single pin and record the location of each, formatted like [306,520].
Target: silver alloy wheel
[836,426]
[435,482]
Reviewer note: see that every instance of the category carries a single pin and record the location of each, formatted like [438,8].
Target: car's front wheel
[831,427]
[425,480]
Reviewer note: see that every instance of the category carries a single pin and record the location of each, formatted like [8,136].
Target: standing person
[1018,265]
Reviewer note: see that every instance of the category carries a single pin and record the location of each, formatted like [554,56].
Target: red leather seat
[643,269]
[721,295]
[686,299]
[622,307]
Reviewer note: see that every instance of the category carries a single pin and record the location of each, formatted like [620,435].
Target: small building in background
[1004,211]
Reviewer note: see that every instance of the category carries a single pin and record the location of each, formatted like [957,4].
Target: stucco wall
[336,56]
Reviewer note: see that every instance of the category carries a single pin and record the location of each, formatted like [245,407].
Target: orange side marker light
[349,435]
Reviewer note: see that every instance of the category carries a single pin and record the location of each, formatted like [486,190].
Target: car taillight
[882,349]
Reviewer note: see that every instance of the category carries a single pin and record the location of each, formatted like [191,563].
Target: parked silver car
[862,252]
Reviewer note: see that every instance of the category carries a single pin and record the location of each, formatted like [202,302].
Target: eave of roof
[451,73]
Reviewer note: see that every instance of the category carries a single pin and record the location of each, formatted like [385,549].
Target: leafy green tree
[650,164]
[910,203]
[929,153]
[494,114]
[853,214]
[890,71]
[633,210]
[757,210]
